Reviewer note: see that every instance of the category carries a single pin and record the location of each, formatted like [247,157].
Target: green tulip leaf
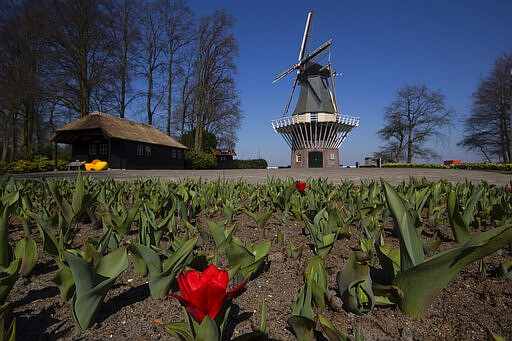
[10,199]
[491,336]
[26,250]
[221,235]
[208,330]
[420,284]
[330,330]
[411,248]
[92,284]
[459,227]
[10,333]
[8,276]
[249,256]
[78,194]
[51,245]
[302,303]
[316,277]
[65,282]
[139,264]
[180,330]
[6,254]
[355,284]
[389,260]
[303,327]
[505,270]
[162,274]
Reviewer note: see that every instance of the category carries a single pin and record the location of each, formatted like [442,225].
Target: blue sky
[378,46]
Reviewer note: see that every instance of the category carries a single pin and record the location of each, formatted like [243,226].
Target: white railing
[318,131]
[321,117]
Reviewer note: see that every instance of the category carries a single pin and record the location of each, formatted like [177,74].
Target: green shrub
[37,164]
[250,164]
[3,167]
[474,166]
[200,160]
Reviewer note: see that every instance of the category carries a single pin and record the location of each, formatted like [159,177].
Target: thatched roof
[115,127]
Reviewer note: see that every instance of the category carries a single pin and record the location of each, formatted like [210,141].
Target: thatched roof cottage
[122,143]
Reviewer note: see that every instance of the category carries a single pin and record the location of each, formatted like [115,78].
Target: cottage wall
[130,154]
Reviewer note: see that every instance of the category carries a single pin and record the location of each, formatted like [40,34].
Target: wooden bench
[75,165]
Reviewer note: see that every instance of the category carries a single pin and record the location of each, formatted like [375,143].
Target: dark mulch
[470,305]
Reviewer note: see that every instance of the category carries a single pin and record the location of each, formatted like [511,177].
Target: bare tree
[215,68]
[151,57]
[488,127]
[185,108]
[125,33]
[178,19]
[22,51]
[416,115]
[65,58]
[82,51]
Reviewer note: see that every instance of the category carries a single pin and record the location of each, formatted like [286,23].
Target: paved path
[392,175]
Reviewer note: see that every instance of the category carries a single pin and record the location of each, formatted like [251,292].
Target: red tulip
[204,293]
[300,186]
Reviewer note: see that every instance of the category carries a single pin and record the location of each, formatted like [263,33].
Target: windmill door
[315,159]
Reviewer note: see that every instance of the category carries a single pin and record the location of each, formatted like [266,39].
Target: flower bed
[296,244]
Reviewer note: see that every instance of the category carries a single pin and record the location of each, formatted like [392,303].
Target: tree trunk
[5,139]
[14,137]
[503,125]
[5,148]
[510,117]
[199,130]
[84,91]
[149,97]
[410,128]
[169,94]
[124,61]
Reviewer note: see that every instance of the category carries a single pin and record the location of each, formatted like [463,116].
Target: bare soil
[471,304]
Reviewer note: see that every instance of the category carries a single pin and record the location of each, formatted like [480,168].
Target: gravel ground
[392,175]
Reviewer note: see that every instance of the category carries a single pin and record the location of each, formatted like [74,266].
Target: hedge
[250,164]
[38,164]
[473,166]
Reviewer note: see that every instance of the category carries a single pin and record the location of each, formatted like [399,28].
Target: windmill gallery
[316,129]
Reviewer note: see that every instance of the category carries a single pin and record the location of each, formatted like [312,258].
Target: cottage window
[103,149]
[92,149]
[147,150]
[140,150]
[298,158]
[173,153]
[180,154]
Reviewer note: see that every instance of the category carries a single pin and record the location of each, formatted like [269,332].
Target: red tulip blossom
[300,186]
[204,293]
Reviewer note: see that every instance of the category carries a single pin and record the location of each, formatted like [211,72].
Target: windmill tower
[315,130]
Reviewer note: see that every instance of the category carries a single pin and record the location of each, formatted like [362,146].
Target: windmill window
[331,156]
[298,158]
[92,149]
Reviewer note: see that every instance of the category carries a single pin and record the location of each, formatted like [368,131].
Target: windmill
[315,130]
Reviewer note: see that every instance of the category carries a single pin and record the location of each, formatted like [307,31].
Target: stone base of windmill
[315,158]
